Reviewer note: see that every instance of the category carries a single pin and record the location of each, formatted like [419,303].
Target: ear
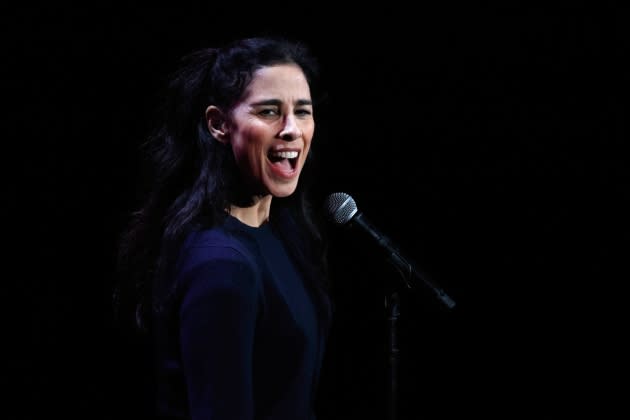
[217,124]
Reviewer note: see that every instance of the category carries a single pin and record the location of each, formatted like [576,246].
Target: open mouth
[285,160]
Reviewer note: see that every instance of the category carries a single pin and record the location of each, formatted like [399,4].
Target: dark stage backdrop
[486,143]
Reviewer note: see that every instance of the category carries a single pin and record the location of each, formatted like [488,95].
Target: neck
[254,215]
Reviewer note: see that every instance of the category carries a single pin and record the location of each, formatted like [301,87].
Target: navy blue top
[244,340]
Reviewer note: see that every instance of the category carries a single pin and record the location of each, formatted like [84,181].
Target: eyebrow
[277,102]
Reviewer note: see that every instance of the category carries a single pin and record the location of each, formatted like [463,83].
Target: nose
[290,131]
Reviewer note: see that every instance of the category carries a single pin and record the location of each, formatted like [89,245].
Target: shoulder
[215,255]
[214,243]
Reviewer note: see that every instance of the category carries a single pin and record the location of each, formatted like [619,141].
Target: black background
[485,142]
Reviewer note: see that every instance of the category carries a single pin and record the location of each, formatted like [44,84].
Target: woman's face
[270,129]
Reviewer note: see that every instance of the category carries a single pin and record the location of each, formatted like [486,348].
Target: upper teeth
[285,155]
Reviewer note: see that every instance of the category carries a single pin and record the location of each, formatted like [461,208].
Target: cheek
[249,145]
[308,135]
[307,148]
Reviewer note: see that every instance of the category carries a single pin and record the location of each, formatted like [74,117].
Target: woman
[224,264]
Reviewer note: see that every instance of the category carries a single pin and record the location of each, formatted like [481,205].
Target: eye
[303,112]
[268,112]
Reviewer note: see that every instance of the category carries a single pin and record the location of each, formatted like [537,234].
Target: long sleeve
[217,327]
[239,338]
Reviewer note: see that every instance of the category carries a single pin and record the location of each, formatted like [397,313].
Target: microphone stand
[410,275]
[407,271]
[392,307]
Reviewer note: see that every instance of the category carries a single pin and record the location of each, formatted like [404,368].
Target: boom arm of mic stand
[410,271]
[406,268]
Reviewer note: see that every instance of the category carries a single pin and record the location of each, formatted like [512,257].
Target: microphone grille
[340,207]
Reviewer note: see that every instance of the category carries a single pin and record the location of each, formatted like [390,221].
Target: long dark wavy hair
[192,178]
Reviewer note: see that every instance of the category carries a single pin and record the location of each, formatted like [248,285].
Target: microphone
[341,209]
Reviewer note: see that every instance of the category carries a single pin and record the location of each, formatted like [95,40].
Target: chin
[282,191]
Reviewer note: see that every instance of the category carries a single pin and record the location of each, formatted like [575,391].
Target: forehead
[278,81]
